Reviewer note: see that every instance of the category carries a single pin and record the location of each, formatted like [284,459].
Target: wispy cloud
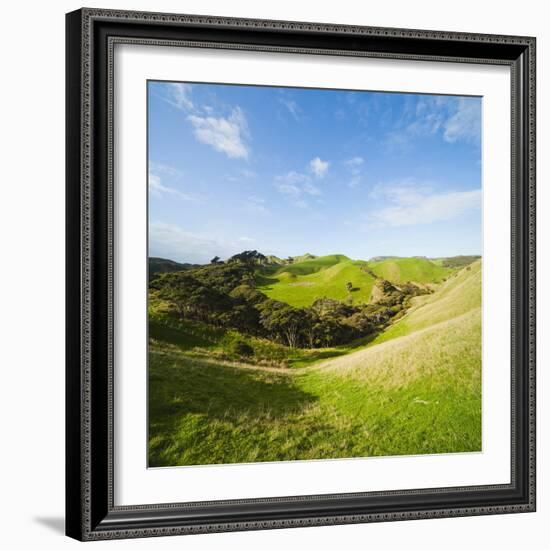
[453,118]
[355,163]
[355,166]
[465,123]
[412,203]
[225,132]
[248,240]
[318,167]
[179,95]
[292,107]
[255,205]
[158,189]
[165,170]
[297,186]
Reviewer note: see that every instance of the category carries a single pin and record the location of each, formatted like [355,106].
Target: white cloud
[415,204]
[158,189]
[318,167]
[224,134]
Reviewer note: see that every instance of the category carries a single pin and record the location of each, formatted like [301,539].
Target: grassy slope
[402,270]
[301,283]
[418,391]
[461,293]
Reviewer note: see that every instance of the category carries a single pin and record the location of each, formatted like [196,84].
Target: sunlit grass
[414,389]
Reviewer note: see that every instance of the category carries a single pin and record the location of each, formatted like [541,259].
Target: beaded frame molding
[92,35]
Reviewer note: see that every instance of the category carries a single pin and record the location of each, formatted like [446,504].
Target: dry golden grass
[399,361]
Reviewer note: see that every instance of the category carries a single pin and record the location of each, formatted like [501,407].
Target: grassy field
[301,283]
[414,389]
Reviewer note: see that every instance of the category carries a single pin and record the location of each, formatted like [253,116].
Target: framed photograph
[300,274]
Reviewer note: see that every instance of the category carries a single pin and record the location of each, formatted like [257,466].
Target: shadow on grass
[201,412]
[263,280]
[191,386]
[185,339]
[344,349]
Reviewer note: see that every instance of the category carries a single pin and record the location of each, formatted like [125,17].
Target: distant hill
[417,270]
[273,260]
[303,257]
[456,261]
[302,282]
[162,265]
[382,258]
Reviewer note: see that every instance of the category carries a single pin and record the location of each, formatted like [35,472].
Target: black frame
[91,37]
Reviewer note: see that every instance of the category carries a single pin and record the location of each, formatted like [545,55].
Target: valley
[227,388]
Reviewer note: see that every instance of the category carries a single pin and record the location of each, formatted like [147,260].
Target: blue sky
[287,171]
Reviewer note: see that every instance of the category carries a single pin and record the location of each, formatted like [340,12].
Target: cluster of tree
[224,295]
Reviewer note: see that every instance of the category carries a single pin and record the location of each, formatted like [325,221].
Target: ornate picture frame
[91,510]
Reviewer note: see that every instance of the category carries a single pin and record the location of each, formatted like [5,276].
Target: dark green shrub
[238,347]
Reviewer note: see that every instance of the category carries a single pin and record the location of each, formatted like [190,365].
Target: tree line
[223,294]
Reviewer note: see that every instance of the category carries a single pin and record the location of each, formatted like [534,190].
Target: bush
[238,347]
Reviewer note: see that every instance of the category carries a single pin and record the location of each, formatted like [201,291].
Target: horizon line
[371,258]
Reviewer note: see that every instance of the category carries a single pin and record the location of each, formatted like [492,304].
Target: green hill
[303,257]
[416,270]
[161,265]
[455,261]
[458,300]
[301,283]
[418,385]
[415,389]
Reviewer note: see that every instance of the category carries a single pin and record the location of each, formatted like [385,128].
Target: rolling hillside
[448,321]
[416,389]
[413,389]
[459,295]
[301,283]
[416,270]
